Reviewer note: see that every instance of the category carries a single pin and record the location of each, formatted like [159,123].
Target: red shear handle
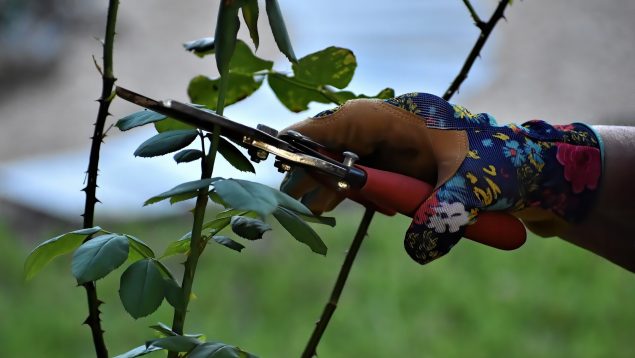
[392,192]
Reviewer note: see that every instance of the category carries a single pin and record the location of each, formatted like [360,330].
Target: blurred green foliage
[547,299]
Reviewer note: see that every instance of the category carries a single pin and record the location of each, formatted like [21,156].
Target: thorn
[97,66]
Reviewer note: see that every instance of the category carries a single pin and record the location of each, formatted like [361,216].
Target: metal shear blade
[258,142]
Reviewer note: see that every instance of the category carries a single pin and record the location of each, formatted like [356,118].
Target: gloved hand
[545,174]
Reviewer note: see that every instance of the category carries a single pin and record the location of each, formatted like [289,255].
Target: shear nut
[342,185]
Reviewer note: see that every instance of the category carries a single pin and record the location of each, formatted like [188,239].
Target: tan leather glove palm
[384,137]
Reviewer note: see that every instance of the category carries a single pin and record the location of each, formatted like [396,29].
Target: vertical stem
[197,244]
[108,81]
[331,305]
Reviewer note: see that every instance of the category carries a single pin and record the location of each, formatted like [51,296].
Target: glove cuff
[571,178]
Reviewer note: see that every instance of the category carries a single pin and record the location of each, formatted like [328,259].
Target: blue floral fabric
[507,168]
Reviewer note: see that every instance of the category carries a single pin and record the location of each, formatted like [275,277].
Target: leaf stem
[486,30]
[331,305]
[108,81]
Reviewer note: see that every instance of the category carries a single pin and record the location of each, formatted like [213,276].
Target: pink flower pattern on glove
[581,165]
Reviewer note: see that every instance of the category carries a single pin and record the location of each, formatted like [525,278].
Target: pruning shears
[381,190]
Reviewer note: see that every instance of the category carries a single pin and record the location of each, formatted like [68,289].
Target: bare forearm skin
[609,229]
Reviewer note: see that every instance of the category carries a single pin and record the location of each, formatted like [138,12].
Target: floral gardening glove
[477,166]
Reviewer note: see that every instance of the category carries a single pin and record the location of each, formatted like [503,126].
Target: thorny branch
[486,30]
[108,81]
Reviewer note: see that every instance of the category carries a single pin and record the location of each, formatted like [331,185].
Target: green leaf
[234,156]
[279,29]
[200,47]
[163,329]
[166,331]
[325,220]
[248,228]
[294,94]
[181,197]
[138,119]
[246,195]
[141,288]
[227,242]
[224,218]
[240,79]
[140,250]
[205,91]
[251,196]
[175,343]
[217,199]
[50,249]
[173,293]
[188,155]
[96,258]
[218,350]
[333,66]
[300,230]
[184,188]
[171,124]
[234,212]
[227,25]
[385,93]
[250,15]
[139,351]
[245,62]
[217,224]
[344,96]
[166,142]
[289,202]
[181,246]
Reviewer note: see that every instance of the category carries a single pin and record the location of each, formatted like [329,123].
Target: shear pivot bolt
[350,158]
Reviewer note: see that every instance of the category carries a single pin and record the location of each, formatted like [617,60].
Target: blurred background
[561,61]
